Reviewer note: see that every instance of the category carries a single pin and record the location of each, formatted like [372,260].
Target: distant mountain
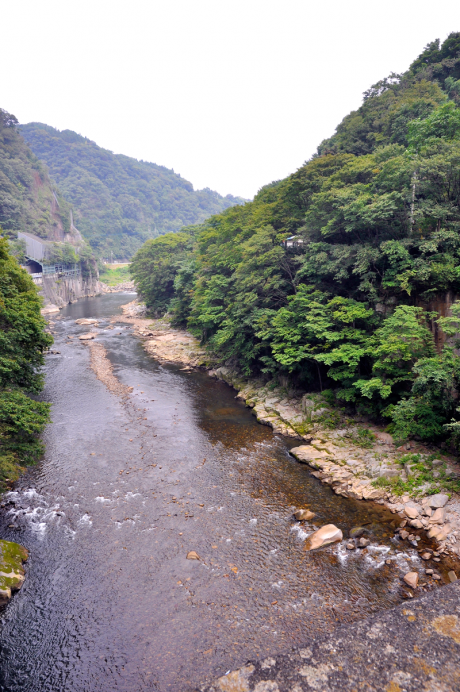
[119,202]
[28,199]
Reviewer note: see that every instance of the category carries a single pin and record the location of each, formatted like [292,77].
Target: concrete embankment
[413,647]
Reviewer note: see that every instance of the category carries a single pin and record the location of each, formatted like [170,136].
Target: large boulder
[385,438]
[370,493]
[308,453]
[411,510]
[323,536]
[12,555]
[438,500]
[411,579]
[438,516]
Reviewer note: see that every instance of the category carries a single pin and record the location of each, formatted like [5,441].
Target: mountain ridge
[119,201]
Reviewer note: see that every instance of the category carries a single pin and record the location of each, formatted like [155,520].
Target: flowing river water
[126,489]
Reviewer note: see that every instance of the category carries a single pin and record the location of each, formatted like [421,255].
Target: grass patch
[363,437]
[330,420]
[113,276]
[9,470]
[422,471]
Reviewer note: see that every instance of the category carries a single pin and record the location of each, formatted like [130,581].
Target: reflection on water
[125,491]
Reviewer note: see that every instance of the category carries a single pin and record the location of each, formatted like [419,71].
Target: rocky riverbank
[356,459]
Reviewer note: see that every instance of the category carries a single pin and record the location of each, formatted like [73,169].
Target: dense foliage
[354,306]
[22,342]
[119,202]
[28,200]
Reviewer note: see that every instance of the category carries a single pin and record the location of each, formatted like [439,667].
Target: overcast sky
[231,94]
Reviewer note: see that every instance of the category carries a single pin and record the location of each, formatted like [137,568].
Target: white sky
[231,94]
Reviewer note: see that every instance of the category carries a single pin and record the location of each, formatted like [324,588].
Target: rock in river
[192,555]
[411,579]
[357,531]
[325,535]
[12,555]
[304,515]
[87,337]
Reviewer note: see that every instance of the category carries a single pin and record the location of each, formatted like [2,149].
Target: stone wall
[61,291]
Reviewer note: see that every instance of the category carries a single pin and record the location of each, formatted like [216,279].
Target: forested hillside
[119,202]
[348,308]
[28,200]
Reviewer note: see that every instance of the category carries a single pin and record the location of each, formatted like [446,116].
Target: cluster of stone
[347,468]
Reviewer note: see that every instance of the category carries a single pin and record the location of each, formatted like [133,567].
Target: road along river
[127,488]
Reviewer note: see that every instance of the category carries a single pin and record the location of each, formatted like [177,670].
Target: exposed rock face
[325,535]
[12,555]
[62,291]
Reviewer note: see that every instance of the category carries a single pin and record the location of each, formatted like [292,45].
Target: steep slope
[28,199]
[119,202]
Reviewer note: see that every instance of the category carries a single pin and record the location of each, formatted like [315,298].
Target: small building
[294,241]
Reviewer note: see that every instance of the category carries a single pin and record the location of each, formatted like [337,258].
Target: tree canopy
[351,306]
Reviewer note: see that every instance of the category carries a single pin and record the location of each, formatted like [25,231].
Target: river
[126,489]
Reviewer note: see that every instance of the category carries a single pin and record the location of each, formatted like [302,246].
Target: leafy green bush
[22,420]
[154,268]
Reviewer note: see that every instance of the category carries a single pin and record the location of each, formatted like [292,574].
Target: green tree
[154,268]
[22,342]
